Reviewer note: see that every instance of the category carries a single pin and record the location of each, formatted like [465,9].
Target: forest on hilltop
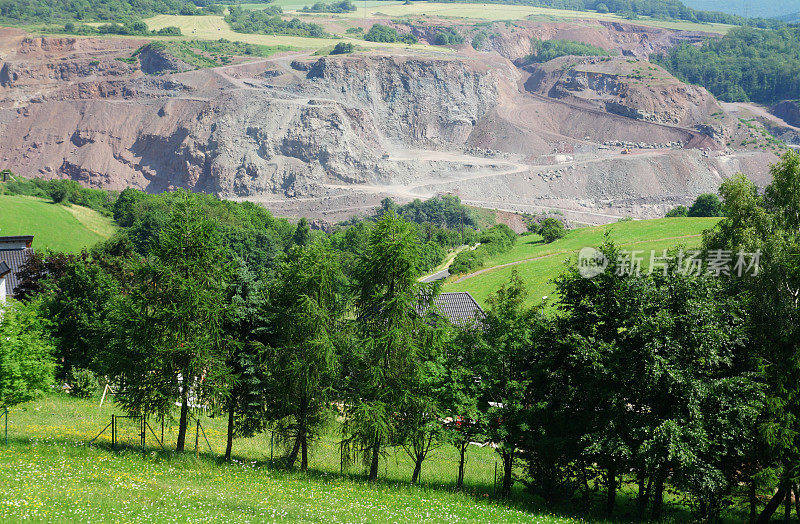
[747,64]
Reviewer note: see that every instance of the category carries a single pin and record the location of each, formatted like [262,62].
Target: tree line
[658,9]
[44,11]
[745,65]
[679,383]
[268,21]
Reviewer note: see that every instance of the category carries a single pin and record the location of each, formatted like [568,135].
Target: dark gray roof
[460,308]
[28,239]
[14,258]
[4,269]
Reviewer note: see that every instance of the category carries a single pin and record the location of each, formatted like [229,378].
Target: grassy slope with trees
[660,383]
[538,263]
[163,487]
[55,227]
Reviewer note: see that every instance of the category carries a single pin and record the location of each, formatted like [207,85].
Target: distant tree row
[341,6]
[746,64]
[268,21]
[49,11]
[658,9]
[61,192]
[546,50]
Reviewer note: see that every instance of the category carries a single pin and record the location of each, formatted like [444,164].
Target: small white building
[14,252]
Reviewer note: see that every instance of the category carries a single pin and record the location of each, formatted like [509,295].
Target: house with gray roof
[460,308]
[14,252]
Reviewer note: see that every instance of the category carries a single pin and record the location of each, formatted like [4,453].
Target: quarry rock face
[631,88]
[329,137]
[789,111]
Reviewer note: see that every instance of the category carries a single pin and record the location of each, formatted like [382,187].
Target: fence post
[197,440]
[271,445]
[5,415]
[144,450]
[494,486]
[114,432]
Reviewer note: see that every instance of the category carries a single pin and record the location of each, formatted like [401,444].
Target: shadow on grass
[520,499]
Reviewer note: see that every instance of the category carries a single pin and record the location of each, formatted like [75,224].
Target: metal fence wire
[129,432]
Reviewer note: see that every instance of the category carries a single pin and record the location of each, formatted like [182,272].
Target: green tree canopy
[26,354]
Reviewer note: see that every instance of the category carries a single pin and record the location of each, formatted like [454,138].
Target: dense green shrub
[448,37]
[680,211]
[382,33]
[498,239]
[340,6]
[546,50]
[551,229]
[26,354]
[83,383]
[706,205]
[479,40]
[268,22]
[342,48]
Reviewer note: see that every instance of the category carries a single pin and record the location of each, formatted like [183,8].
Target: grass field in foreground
[48,473]
[54,226]
[550,259]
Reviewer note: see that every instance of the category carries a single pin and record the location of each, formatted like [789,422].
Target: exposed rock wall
[788,111]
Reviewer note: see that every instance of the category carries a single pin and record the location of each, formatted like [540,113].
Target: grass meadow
[497,12]
[539,263]
[48,473]
[54,226]
[215,27]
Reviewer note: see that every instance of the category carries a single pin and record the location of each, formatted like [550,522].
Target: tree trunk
[796,501]
[644,494]
[229,445]
[184,421]
[304,455]
[292,458]
[373,467]
[658,494]
[508,479]
[417,469]
[462,448]
[772,506]
[303,433]
[787,504]
[611,495]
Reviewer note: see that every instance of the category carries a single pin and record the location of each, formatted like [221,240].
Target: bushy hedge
[268,22]
[62,192]
[342,6]
[383,33]
[495,240]
[546,50]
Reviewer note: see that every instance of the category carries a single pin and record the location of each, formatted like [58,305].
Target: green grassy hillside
[48,474]
[54,226]
[538,263]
